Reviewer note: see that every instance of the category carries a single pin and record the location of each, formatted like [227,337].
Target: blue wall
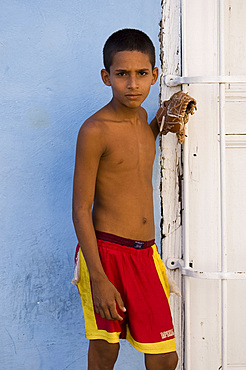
[50,83]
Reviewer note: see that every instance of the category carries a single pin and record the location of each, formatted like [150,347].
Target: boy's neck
[124,112]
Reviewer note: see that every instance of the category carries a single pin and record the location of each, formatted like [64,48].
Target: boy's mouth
[133,96]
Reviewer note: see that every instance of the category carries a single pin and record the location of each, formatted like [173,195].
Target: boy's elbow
[80,213]
[76,215]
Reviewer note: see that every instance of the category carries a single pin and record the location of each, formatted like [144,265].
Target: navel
[144,220]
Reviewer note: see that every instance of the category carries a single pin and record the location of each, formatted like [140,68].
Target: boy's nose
[132,83]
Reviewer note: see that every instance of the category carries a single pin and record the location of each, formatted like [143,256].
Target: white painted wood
[171,171]
[203,345]
[236,203]
[235,178]
[202,207]
[201,56]
[204,211]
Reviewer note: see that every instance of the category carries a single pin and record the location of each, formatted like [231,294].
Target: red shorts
[138,273]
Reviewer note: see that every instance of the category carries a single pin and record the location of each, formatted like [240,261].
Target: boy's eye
[121,74]
[143,73]
[124,73]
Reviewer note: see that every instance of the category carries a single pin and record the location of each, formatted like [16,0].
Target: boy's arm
[154,127]
[88,153]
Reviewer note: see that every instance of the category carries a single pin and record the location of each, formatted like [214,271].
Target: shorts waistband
[137,244]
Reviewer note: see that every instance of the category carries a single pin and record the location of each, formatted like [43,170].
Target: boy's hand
[174,113]
[105,297]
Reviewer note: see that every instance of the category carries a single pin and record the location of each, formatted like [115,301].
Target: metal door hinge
[172,80]
[175,263]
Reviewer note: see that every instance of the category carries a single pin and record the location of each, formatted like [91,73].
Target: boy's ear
[105,77]
[155,75]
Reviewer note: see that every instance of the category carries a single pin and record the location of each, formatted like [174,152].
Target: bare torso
[123,203]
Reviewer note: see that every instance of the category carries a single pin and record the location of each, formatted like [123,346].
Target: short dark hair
[127,39]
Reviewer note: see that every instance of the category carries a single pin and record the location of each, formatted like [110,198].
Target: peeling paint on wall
[171,160]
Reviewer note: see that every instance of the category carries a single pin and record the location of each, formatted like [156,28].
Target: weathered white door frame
[172,44]
[171,167]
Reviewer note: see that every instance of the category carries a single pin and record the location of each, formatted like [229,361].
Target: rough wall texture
[171,164]
[50,82]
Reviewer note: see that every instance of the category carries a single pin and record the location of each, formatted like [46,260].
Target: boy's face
[130,77]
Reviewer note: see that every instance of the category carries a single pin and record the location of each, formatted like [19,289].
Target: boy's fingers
[120,303]
[105,313]
[102,314]
[109,313]
[114,314]
[108,310]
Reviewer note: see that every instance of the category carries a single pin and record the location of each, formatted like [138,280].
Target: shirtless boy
[122,280]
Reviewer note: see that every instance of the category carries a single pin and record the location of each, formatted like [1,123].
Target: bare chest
[129,150]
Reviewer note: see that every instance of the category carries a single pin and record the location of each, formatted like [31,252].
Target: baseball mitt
[174,114]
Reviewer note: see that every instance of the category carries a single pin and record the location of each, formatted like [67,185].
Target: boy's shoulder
[94,125]
[98,119]
[104,117]
[101,123]
[91,135]
[94,131]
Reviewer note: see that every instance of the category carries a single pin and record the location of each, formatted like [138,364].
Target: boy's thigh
[102,355]
[163,361]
